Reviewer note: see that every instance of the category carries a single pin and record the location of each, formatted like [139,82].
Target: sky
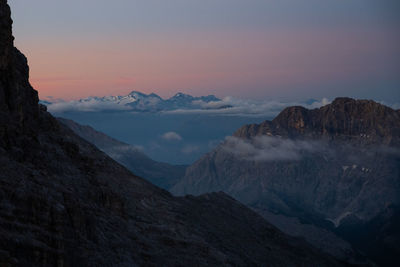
[255,49]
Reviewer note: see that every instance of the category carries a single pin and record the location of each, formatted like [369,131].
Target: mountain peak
[342,101]
[181,95]
[210,98]
[136,93]
[339,100]
[154,95]
[364,120]
[362,110]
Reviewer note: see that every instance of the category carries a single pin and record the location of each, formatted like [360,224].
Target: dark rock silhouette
[65,203]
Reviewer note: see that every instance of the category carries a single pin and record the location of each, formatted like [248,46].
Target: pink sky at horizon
[210,63]
[247,49]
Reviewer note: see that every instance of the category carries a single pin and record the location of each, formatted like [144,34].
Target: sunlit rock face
[65,203]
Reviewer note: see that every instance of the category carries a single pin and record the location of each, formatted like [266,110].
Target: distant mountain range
[138,102]
[336,167]
[180,103]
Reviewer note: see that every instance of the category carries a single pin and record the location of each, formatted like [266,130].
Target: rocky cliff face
[65,203]
[338,165]
[346,146]
[346,119]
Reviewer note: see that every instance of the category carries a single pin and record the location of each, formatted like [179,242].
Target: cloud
[394,106]
[86,105]
[243,107]
[189,149]
[269,148]
[228,106]
[171,136]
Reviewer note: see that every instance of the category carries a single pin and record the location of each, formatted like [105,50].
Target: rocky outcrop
[346,119]
[65,203]
[333,167]
[161,174]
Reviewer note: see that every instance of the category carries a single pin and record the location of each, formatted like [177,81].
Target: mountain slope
[161,174]
[65,203]
[333,167]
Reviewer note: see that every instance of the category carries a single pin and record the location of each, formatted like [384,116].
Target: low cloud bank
[118,152]
[395,106]
[242,107]
[226,106]
[87,105]
[269,148]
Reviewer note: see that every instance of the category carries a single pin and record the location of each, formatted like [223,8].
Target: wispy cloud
[228,106]
[243,107]
[171,136]
[269,148]
[89,105]
[392,105]
[117,152]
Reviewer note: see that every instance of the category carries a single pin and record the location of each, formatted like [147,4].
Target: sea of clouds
[228,106]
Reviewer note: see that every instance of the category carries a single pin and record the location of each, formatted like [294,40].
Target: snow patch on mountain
[134,101]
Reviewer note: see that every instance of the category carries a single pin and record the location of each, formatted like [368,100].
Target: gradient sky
[242,48]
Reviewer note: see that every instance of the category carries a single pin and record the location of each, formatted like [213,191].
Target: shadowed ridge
[161,174]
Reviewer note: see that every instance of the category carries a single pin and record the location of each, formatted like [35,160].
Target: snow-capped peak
[141,102]
[182,95]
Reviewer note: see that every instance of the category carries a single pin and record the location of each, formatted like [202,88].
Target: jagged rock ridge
[65,203]
[344,119]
